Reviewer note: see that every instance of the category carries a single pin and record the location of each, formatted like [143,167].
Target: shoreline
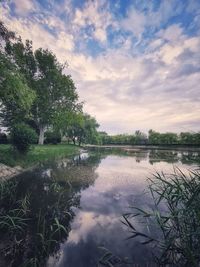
[146,147]
[8,171]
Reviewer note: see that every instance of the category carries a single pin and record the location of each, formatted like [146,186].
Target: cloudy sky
[136,64]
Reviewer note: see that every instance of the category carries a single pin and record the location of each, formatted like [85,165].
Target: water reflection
[185,157]
[120,183]
[75,206]
[44,200]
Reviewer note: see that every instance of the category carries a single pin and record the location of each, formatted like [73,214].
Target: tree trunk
[74,141]
[41,135]
[79,141]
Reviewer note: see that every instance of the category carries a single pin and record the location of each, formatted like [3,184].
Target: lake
[88,196]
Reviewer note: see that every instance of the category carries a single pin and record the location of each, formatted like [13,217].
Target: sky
[135,63]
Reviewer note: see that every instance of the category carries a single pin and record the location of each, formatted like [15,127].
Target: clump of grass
[13,212]
[31,232]
[176,213]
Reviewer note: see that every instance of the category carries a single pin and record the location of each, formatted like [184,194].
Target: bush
[52,138]
[22,136]
[3,138]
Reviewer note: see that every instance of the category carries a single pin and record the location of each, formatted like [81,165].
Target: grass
[36,155]
[176,214]
[30,230]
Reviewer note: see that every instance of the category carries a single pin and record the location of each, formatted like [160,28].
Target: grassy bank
[37,154]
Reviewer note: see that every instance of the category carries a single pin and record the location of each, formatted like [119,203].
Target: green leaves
[22,136]
[34,88]
[56,93]
[15,94]
[82,128]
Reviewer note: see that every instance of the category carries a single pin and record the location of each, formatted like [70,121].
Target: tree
[74,126]
[16,97]
[154,137]
[55,91]
[103,138]
[5,34]
[90,130]
[169,138]
[196,138]
[83,128]
[140,138]
[186,138]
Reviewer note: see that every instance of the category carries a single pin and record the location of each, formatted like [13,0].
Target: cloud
[100,34]
[140,21]
[65,41]
[95,14]
[24,7]
[172,34]
[135,22]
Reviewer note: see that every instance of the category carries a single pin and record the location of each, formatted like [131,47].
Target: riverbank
[7,172]
[36,155]
[146,147]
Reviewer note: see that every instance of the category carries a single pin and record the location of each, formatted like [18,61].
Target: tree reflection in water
[37,208]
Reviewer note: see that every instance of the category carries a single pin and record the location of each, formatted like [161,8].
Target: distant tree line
[153,138]
[36,93]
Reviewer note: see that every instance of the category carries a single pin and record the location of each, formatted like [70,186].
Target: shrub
[52,138]
[22,136]
[3,138]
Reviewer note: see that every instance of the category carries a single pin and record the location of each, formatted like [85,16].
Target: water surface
[76,206]
[120,182]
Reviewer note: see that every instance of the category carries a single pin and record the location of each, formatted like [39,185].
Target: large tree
[55,92]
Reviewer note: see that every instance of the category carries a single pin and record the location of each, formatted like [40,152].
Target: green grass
[36,155]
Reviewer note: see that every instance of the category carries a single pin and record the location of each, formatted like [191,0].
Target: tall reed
[176,214]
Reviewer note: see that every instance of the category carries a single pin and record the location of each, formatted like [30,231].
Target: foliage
[138,138]
[188,138]
[5,34]
[22,136]
[82,129]
[52,137]
[13,220]
[18,217]
[176,213]
[156,138]
[55,92]
[33,86]
[153,138]
[16,97]
[3,138]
